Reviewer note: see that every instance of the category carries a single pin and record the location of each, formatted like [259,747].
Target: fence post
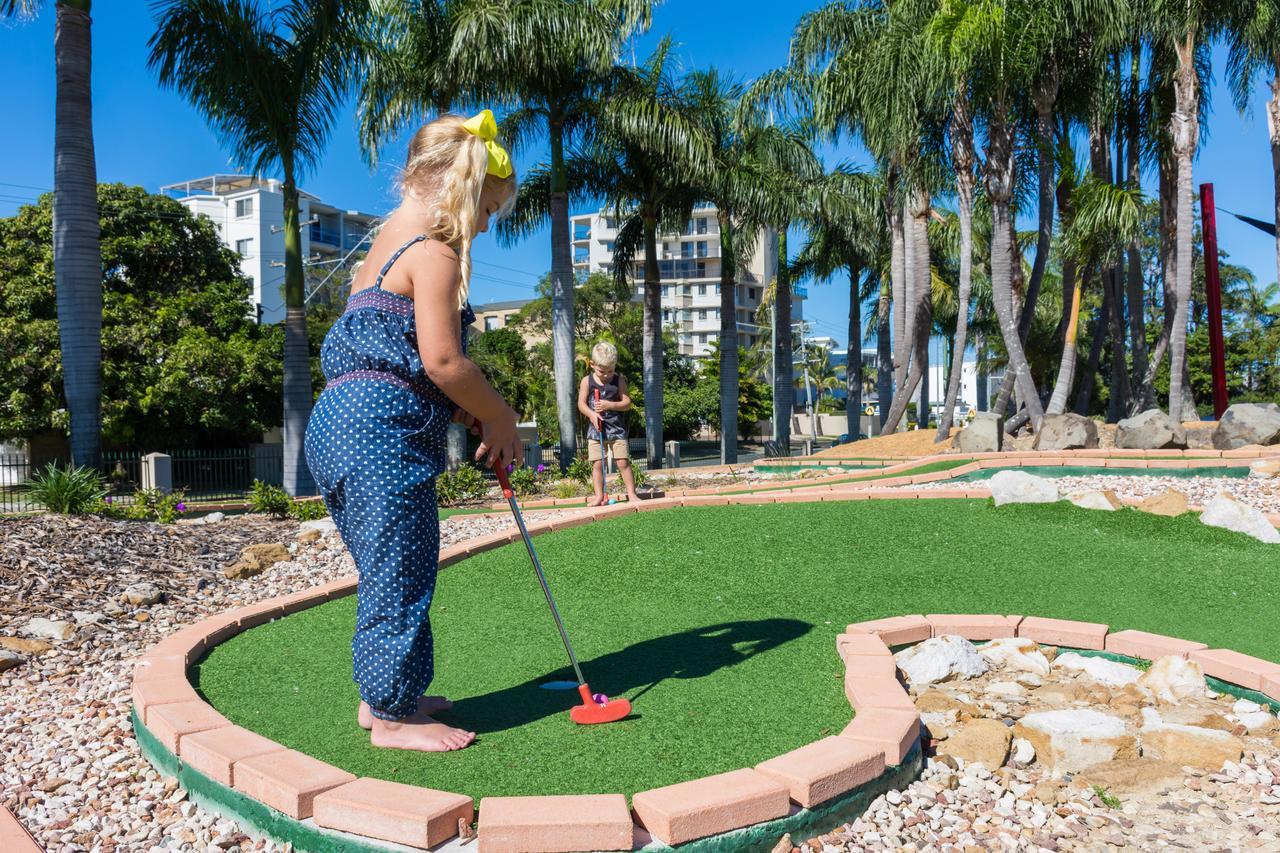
[533,458]
[672,459]
[808,447]
[157,472]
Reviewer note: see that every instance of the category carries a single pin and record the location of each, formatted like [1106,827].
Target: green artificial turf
[719,622]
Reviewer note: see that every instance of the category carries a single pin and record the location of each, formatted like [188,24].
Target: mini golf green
[719,623]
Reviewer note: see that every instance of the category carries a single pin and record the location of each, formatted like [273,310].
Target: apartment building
[249,213]
[689,266]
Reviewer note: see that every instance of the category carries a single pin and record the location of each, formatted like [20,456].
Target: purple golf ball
[600,699]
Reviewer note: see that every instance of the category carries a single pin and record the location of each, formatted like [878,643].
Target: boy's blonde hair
[604,354]
[448,166]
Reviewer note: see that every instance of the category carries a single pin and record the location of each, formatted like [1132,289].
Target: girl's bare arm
[624,399]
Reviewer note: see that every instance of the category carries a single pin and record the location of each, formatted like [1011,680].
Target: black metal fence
[203,475]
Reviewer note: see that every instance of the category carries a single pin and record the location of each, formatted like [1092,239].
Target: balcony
[327,236]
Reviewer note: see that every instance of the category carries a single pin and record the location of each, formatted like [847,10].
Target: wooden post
[1213,292]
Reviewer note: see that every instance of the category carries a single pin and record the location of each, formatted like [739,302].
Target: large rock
[1190,745]
[1070,740]
[1227,512]
[1093,499]
[1172,679]
[1018,654]
[49,629]
[1248,423]
[1131,777]
[984,434]
[1019,487]
[1101,670]
[9,659]
[1170,502]
[1066,432]
[1265,469]
[256,559]
[1150,430]
[983,742]
[940,659]
[141,594]
[26,647]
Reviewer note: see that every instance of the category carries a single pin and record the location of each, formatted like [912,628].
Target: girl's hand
[499,444]
[597,421]
[468,420]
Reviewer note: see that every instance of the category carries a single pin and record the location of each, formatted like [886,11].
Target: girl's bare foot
[427,705]
[594,501]
[419,732]
[633,498]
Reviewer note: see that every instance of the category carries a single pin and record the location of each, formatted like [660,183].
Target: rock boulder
[984,434]
[1069,740]
[1066,432]
[1101,670]
[1171,502]
[1019,487]
[984,742]
[1172,679]
[1105,500]
[1248,423]
[1227,512]
[49,629]
[940,659]
[1018,654]
[1150,430]
[1190,745]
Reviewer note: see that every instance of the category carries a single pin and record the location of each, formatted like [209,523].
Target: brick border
[879,746]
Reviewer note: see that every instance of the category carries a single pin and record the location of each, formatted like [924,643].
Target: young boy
[606,414]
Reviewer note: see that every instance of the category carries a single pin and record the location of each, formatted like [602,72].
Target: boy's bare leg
[426,705]
[597,484]
[628,479]
[419,732]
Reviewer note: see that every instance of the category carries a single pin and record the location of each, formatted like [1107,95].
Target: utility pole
[808,393]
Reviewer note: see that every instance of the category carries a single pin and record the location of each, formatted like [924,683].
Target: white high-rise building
[249,213]
[689,267]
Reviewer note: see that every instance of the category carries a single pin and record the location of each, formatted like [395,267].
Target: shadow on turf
[629,672]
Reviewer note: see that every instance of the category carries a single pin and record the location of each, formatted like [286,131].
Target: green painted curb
[1051,471]
[256,818]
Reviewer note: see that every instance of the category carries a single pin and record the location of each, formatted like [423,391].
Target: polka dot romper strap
[375,444]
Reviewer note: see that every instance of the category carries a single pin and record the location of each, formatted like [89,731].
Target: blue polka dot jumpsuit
[375,444]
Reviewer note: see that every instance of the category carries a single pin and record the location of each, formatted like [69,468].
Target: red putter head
[591,712]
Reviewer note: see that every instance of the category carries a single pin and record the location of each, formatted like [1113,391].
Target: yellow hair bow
[483,126]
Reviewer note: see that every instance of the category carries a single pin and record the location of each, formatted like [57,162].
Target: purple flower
[181,507]
[511,466]
[541,469]
[107,499]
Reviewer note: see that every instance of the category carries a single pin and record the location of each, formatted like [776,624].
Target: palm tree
[550,59]
[77,264]
[752,179]
[1253,35]
[271,82]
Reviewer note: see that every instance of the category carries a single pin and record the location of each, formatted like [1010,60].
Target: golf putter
[595,708]
[604,457]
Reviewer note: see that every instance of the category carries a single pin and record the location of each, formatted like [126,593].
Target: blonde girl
[397,375]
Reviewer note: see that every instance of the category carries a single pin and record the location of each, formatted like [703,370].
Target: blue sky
[151,137]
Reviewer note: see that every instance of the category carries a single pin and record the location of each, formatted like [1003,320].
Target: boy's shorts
[617,447]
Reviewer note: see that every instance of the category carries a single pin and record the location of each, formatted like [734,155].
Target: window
[685,288]
[702,225]
[702,338]
[510,318]
[751,293]
[702,269]
[688,227]
[702,248]
[702,288]
[244,247]
[717,313]
[244,207]
[581,231]
[610,223]
[490,323]
[666,291]
[686,316]
[717,290]
[580,254]
[686,250]
[702,313]
[609,247]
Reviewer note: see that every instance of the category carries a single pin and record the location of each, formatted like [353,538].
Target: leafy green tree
[78,263]
[501,354]
[184,363]
[270,80]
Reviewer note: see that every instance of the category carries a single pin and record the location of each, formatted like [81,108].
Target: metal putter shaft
[590,711]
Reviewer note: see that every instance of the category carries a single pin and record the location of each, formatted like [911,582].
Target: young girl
[397,376]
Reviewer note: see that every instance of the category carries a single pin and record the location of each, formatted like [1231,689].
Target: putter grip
[501,473]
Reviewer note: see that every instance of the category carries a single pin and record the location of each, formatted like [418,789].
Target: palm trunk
[783,386]
[982,393]
[963,158]
[923,298]
[653,404]
[999,182]
[898,275]
[1168,264]
[1097,337]
[298,393]
[884,353]
[562,298]
[1046,94]
[1118,402]
[1183,130]
[853,363]
[77,264]
[907,308]
[1143,392]
[1273,134]
[728,343]
[1067,366]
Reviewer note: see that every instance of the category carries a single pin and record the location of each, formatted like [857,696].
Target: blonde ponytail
[447,168]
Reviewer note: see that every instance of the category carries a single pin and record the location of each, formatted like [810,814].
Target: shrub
[565,489]
[307,510]
[155,505]
[465,485]
[642,479]
[579,470]
[524,482]
[67,490]
[272,500]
